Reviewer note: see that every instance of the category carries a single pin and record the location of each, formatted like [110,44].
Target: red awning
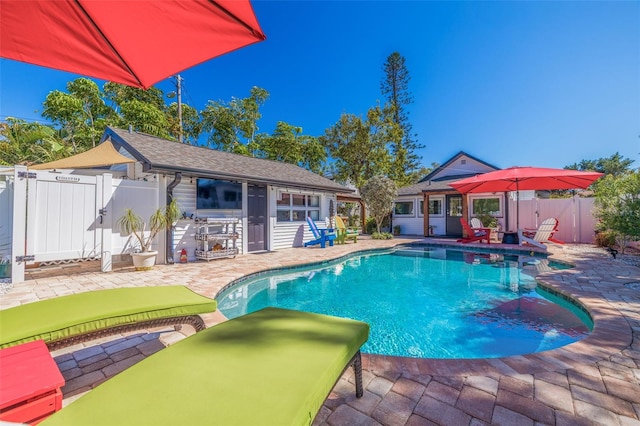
[134,42]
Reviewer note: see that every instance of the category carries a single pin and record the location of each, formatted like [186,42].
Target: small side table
[510,238]
[30,383]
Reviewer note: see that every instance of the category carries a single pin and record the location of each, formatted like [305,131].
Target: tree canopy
[618,206]
[616,165]
[403,144]
[80,115]
[29,143]
[379,193]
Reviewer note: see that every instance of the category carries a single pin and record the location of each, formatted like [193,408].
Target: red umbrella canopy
[134,42]
[526,178]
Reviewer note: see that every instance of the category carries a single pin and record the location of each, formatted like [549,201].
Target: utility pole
[179,93]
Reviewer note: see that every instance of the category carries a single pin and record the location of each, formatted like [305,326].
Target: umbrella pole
[517,207]
[507,212]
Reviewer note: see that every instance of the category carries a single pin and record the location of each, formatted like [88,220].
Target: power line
[4,117]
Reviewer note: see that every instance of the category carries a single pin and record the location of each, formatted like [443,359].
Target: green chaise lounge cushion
[77,314]
[272,367]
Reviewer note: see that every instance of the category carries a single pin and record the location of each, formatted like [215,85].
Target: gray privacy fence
[575,216]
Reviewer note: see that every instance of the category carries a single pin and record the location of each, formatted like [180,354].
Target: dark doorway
[257,218]
[454,213]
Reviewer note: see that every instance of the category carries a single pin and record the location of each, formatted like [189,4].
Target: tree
[231,124]
[118,93]
[30,143]
[378,193]
[395,87]
[314,156]
[288,144]
[422,172]
[359,147]
[81,113]
[615,165]
[618,206]
[144,117]
[191,123]
[143,110]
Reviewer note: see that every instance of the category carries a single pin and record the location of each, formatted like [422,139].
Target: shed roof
[164,156]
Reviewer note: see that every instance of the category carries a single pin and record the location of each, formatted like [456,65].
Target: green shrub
[605,238]
[370,225]
[381,236]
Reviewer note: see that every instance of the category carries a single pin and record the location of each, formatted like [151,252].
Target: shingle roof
[436,185]
[161,155]
[451,161]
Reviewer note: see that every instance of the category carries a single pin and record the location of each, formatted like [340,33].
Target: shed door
[257,218]
[454,213]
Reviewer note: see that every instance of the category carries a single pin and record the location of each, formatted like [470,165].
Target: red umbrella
[525,178]
[134,42]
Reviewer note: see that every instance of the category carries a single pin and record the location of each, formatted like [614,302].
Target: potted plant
[132,224]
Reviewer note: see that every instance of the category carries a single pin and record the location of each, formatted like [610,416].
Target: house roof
[439,179]
[451,161]
[164,156]
[435,185]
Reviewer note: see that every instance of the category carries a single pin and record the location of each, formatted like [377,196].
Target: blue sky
[512,83]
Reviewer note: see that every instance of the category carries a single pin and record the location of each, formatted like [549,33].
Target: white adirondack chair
[544,234]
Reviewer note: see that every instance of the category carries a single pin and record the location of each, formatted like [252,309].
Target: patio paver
[594,381]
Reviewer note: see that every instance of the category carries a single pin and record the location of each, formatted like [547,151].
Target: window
[296,207]
[455,207]
[218,194]
[486,205]
[403,208]
[435,207]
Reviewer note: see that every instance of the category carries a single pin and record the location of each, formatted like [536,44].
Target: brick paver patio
[594,381]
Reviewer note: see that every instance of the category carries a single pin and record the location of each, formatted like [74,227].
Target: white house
[271,199]
[445,205]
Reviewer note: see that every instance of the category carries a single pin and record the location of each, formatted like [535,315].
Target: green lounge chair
[271,367]
[67,320]
[345,233]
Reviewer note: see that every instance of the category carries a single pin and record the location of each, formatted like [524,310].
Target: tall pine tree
[395,87]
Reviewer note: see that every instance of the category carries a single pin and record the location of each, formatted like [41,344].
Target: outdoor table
[509,237]
[30,383]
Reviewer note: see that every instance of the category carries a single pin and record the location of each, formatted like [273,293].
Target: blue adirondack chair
[321,235]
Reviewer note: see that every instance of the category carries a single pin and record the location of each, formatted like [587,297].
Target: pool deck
[594,381]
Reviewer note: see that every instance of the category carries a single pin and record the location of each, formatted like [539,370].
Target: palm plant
[132,224]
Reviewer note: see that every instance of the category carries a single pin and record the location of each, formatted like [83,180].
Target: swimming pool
[425,302]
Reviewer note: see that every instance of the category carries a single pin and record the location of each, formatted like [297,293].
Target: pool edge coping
[603,341]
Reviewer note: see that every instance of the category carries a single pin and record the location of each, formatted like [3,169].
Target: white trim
[434,198]
[413,208]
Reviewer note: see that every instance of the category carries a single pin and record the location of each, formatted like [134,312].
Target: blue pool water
[425,302]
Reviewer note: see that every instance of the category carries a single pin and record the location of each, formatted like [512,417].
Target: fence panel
[586,221]
[62,221]
[142,198]
[562,209]
[575,216]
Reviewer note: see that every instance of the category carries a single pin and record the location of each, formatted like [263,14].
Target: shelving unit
[216,238]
